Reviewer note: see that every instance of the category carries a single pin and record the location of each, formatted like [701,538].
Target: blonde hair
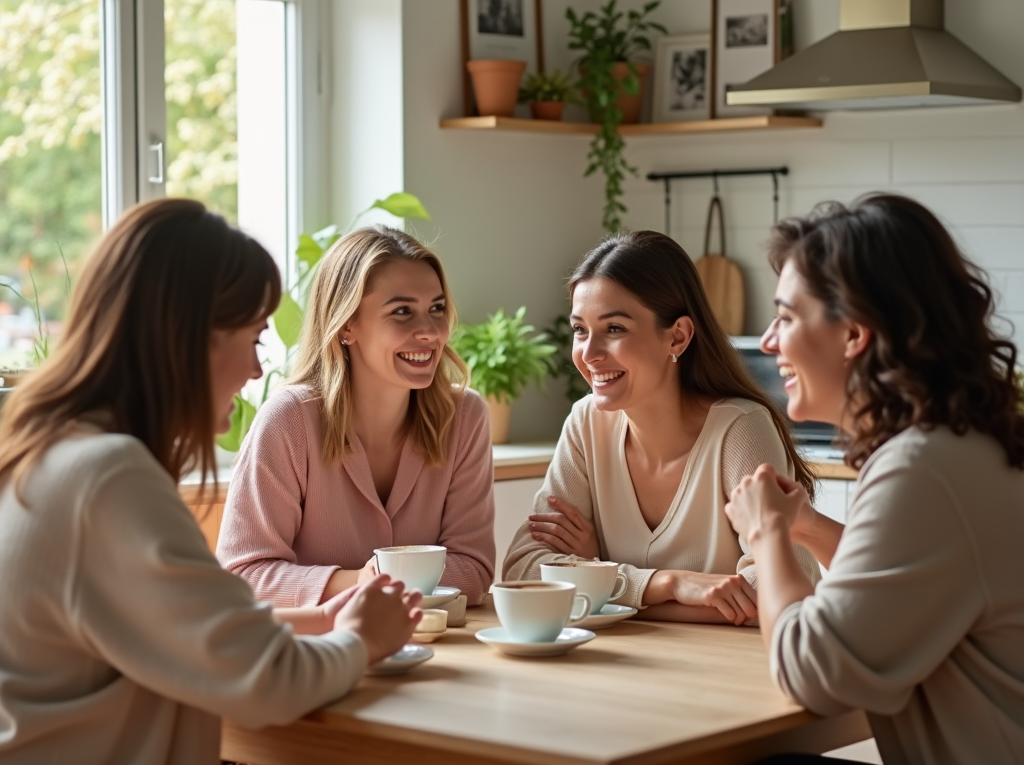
[344,275]
[137,340]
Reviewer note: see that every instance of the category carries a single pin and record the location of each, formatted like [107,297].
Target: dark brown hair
[655,269]
[888,263]
[137,338]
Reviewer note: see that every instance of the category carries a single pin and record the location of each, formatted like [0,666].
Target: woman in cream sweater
[883,329]
[645,464]
[122,641]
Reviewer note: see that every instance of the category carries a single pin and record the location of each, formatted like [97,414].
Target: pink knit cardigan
[290,520]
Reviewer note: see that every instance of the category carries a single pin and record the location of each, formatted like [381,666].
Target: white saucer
[570,637]
[440,596]
[402,661]
[607,616]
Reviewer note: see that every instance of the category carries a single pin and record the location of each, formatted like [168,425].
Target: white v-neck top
[589,471]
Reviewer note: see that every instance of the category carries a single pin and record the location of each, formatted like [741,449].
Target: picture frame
[502,29]
[746,41]
[682,78]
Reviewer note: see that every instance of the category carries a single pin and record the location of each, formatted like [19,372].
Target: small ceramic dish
[403,660]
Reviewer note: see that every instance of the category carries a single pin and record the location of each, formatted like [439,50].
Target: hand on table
[767,499]
[730,594]
[565,530]
[382,613]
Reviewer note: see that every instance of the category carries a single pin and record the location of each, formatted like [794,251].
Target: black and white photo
[746,31]
[500,17]
[682,79]
[745,35]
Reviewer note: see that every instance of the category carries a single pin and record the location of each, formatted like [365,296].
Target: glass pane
[226,106]
[50,166]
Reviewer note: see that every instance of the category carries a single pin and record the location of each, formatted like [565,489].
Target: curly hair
[888,263]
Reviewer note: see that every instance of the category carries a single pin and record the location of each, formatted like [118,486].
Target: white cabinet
[513,501]
[834,497]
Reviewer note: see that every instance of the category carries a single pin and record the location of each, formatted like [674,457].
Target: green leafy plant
[560,363]
[548,87]
[504,354]
[604,39]
[288,318]
[41,344]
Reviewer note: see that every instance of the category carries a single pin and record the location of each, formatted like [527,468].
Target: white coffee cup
[600,580]
[418,566]
[537,612]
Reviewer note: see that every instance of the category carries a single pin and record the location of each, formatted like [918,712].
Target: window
[107,102]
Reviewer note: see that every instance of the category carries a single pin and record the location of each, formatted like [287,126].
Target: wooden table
[642,692]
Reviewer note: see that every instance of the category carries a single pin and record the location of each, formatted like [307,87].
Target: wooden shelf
[510,124]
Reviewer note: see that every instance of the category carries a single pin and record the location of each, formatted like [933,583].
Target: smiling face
[619,348]
[233,362]
[399,331]
[811,351]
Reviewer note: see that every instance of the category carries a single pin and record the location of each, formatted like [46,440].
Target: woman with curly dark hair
[883,328]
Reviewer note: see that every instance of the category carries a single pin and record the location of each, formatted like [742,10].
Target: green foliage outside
[504,354]
[603,40]
[290,314]
[50,137]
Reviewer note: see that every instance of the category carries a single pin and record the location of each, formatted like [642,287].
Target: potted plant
[547,94]
[610,81]
[504,355]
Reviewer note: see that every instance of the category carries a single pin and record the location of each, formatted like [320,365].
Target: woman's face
[811,351]
[400,329]
[619,348]
[233,362]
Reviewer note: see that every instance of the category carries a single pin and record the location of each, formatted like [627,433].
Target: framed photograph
[682,79]
[504,29]
[745,42]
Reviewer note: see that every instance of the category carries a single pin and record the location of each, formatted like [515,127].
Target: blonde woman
[374,442]
[122,641]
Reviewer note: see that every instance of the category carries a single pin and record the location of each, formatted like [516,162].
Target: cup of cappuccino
[537,612]
[600,580]
[418,566]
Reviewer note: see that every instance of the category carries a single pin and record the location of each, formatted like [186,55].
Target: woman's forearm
[821,539]
[780,580]
[340,581]
[307,620]
[677,612]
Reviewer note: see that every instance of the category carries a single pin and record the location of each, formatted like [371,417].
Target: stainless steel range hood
[887,54]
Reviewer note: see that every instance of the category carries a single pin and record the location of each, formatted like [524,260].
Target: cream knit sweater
[121,638]
[589,471]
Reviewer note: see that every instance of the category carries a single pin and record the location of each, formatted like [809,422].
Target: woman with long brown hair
[121,638]
[883,329]
[645,463]
[375,442]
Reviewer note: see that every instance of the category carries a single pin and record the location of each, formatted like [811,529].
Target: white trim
[151,109]
[117,84]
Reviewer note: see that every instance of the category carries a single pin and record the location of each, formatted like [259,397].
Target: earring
[675,357]
[344,342]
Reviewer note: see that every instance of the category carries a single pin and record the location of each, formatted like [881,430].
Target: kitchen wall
[512,213]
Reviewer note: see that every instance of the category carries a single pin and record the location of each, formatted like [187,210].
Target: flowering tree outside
[50,144]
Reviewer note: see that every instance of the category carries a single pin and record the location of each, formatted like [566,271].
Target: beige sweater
[589,471]
[921,619]
[121,638]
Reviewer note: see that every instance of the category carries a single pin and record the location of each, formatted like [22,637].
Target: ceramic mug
[418,566]
[600,580]
[537,612]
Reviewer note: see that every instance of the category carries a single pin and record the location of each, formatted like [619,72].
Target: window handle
[158,149]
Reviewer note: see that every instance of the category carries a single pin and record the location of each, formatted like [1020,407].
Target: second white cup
[600,580]
[418,566]
[536,612]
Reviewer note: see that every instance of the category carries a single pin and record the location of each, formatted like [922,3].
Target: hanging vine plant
[604,39]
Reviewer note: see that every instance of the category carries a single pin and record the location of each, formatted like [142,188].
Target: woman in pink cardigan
[374,442]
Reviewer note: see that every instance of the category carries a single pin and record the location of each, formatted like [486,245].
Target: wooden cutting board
[722,278]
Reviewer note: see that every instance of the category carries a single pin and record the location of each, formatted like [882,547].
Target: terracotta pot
[630,105]
[547,110]
[501,413]
[496,85]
